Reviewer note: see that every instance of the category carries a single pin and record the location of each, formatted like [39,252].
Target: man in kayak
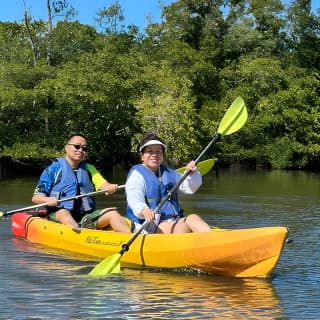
[70,176]
[147,183]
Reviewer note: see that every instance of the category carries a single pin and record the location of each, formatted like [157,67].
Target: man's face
[76,149]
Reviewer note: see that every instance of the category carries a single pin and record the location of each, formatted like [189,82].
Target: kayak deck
[252,252]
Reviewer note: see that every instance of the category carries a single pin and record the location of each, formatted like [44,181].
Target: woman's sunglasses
[79,146]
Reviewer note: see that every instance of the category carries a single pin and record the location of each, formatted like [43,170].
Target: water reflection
[39,283]
[163,296]
[56,283]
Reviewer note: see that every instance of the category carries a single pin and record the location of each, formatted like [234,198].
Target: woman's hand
[191,166]
[148,214]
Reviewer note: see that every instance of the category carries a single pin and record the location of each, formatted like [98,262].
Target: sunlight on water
[40,283]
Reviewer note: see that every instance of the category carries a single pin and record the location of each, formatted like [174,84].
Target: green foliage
[283,153]
[283,129]
[177,80]
[110,18]
[68,41]
[30,151]
[166,109]
[303,34]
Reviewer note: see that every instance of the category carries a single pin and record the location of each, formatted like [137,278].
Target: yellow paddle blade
[106,266]
[235,117]
[203,167]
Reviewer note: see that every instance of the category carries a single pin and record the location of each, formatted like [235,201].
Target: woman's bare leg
[196,224]
[191,223]
[178,226]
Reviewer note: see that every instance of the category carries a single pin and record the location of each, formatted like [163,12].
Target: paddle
[2,214]
[235,117]
[204,167]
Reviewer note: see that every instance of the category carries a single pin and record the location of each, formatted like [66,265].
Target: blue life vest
[73,183]
[156,189]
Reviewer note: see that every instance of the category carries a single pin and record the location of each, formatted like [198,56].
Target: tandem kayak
[252,252]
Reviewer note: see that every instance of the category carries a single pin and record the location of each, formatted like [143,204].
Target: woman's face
[152,156]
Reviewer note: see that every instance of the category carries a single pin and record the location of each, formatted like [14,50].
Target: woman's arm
[193,181]
[135,192]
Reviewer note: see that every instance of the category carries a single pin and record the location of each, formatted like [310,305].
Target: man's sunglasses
[79,146]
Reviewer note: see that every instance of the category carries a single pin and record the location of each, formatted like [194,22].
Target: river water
[38,283]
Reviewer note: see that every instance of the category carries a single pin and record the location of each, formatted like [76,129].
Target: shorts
[91,216]
[151,227]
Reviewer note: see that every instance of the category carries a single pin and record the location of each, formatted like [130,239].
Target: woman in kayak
[147,183]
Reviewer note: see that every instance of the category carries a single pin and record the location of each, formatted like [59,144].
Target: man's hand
[111,188]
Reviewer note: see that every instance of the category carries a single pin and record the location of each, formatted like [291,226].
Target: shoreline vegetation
[114,83]
[14,167]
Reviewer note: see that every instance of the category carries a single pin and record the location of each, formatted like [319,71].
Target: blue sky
[135,11]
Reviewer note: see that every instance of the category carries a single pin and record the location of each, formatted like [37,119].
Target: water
[38,283]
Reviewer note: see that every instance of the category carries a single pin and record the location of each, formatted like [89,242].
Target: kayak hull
[252,252]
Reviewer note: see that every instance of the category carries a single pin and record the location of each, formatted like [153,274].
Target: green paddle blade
[106,266]
[235,117]
[203,167]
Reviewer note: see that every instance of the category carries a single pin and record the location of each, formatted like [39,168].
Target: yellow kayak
[252,252]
